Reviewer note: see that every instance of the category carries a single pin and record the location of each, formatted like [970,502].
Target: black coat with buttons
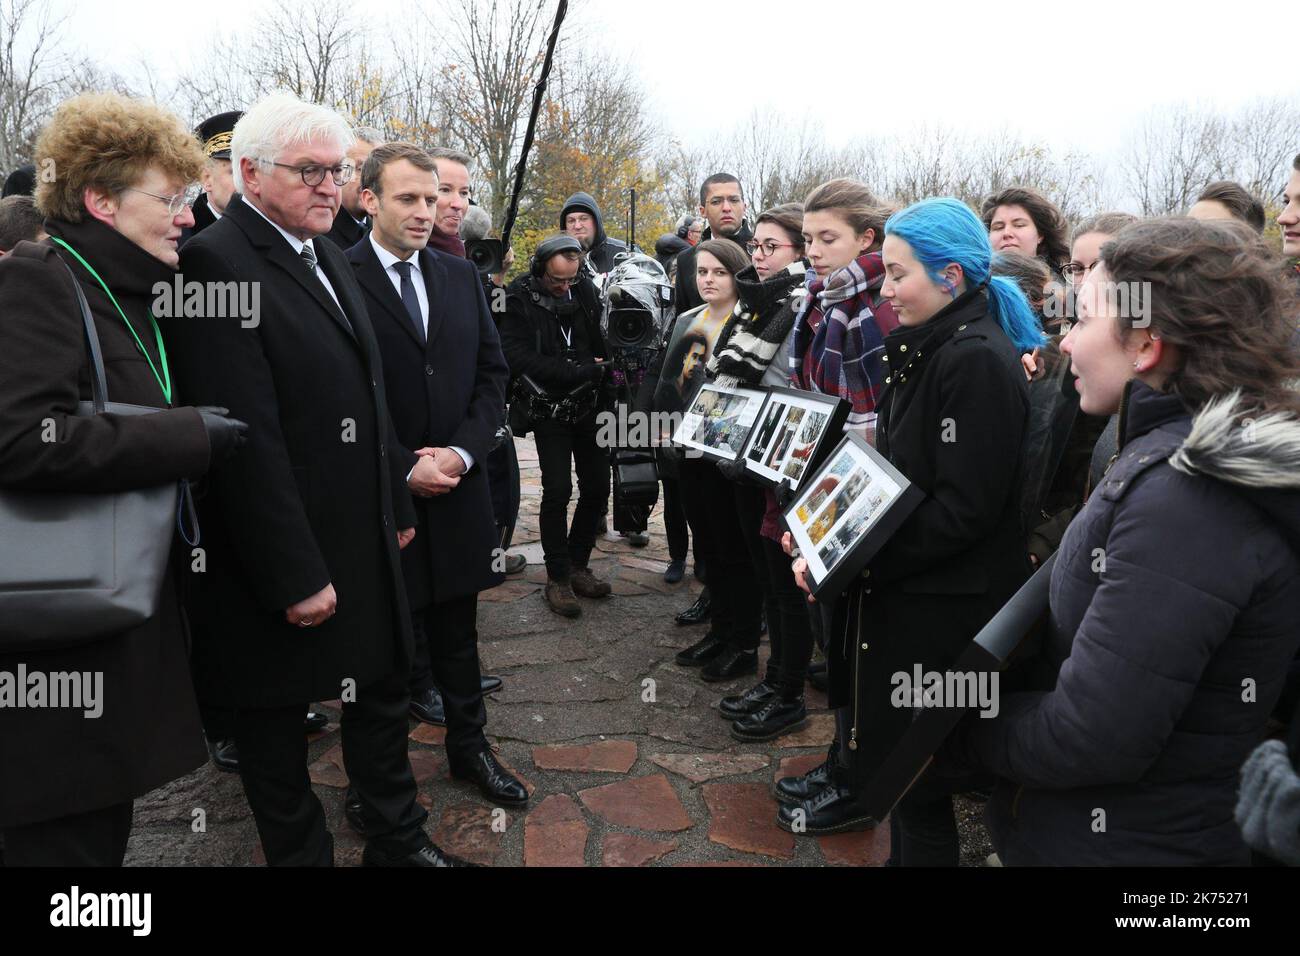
[447,389]
[952,419]
[313,498]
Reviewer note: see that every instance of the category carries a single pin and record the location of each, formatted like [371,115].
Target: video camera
[637,312]
[488,255]
[638,304]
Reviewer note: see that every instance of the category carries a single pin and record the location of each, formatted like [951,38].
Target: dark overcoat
[448,390]
[313,498]
[57,762]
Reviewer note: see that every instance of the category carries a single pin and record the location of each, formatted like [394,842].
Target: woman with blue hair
[952,418]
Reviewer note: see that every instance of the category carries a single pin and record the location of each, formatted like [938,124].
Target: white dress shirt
[298,245]
[387,260]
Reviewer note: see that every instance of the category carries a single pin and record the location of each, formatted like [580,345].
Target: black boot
[730,664]
[834,809]
[798,789]
[817,675]
[772,720]
[702,651]
[742,705]
[698,612]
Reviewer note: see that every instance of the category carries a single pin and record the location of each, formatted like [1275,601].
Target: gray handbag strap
[98,383]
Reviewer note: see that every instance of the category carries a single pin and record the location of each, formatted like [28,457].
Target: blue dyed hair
[944,231]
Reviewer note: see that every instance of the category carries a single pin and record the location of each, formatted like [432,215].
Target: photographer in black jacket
[551,337]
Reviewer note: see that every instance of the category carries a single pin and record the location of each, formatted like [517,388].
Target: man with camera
[552,341]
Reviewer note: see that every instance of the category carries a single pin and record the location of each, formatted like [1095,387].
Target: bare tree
[1265,135]
[494,51]
[1174,153]
[33,72]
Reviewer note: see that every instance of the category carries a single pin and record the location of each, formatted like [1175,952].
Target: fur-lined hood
[1259,456]
[1229,445]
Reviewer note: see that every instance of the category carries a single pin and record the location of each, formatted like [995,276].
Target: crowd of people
[349,450]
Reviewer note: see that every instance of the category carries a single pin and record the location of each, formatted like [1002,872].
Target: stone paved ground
[624,753]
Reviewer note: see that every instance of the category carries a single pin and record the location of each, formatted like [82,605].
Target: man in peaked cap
[218,184]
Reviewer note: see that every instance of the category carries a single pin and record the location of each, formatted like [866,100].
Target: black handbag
[76,567]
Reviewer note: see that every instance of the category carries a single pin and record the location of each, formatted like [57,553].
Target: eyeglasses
[717,201]
[174,203]
[313,174]
[558,281]
[1076,269]
[769,247]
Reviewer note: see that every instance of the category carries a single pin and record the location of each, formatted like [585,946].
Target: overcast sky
[1073,74]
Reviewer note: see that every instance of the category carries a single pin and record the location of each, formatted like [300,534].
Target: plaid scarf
[839,339]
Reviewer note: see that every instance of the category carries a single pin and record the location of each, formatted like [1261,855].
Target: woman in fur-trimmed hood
[1174,597]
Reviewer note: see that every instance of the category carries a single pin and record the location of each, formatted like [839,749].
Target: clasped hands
[437,472]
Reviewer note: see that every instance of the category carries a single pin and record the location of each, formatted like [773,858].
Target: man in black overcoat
[446,381]
[300,596]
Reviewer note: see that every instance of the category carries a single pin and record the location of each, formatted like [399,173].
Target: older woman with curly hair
[114,209]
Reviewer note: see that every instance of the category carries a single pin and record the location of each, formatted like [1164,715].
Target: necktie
[309,257]
[409,298]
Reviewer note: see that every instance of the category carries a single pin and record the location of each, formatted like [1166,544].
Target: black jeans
[560,449]
[93,838]
[736,590]
[789,624]
[273,768]
[675,525]
[446,657]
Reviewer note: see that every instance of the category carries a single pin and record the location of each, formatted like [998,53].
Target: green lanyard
[164,380]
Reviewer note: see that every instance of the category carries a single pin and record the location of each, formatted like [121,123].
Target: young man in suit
[301,597]
[446,381]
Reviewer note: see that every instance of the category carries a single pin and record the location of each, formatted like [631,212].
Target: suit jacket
[346,233]
[311,499]
[448,390]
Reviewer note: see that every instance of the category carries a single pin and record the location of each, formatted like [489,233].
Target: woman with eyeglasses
[757,353]
[114,214]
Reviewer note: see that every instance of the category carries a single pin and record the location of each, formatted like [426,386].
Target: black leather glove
[226,435]
[733,470]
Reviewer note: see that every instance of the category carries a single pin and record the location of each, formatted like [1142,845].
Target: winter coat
[667,248]
[603,248]
[55,762]
[1173,618]
[314,498]
[531,339]
[952,419]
